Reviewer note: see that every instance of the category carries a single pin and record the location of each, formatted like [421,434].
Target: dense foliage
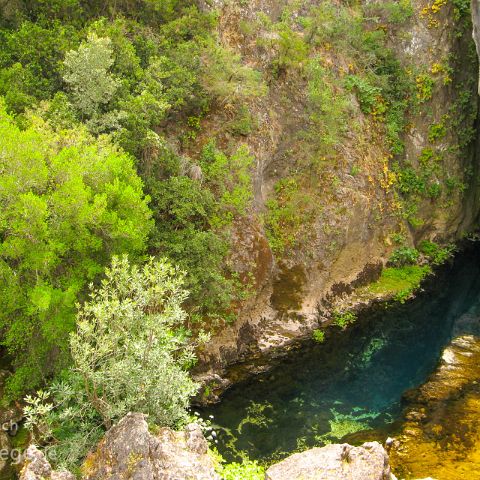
[124,69]
[129,352]
[69,202]
[129,347]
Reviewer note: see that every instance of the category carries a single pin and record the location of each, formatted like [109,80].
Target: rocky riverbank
[129,450]
[441,434]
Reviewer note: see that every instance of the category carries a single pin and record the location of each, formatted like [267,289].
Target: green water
[351,383]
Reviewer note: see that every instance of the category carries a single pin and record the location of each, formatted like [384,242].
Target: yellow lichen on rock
[431,10]
[441,436]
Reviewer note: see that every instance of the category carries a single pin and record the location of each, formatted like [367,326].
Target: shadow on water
[355,380]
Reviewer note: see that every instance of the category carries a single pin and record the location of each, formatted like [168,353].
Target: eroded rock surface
[344,244]
[441,433]
[335,462]
[129,450]
[36,467]
[475,6]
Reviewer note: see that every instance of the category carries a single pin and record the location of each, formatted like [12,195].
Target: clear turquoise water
[354,381]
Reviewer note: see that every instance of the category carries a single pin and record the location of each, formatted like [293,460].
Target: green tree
[129,346]
[31,61]
[182,212]
[130,353]
[68,202]
[88,77]
[226,79]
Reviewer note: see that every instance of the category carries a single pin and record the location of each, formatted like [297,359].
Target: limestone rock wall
[350,237]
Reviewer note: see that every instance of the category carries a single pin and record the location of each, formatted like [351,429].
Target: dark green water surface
[354,381]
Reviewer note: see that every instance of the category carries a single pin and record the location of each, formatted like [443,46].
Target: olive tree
[130,353]
[87,74]
[129,346]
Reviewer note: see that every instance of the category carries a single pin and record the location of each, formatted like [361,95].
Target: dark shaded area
[287,289]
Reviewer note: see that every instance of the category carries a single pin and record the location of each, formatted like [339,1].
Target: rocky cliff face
[352,212]
[475,7]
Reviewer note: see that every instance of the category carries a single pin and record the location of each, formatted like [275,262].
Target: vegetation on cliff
[69,202]
[86,89]
[128,128]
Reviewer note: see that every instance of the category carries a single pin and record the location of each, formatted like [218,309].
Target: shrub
[291,49]
[193,218]
[434,190]
[318,335]
[397,12]
[437,131]
[425,84]
[247,469]
[409,182]
[87,74]
[34,52]
[230,180]
[435,253]
[368,95]
[63,412]
[404,256]
[289,212]
[327,105]
[244,123]
[183,210]
[343,319]
[400,282]
[427,155]
[130,353]
[225,78]
[139,309]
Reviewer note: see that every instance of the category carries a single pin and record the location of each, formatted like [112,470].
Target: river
[353,382]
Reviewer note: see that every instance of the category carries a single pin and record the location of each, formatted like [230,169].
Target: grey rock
[36,467]
[211,384]
[129,450]
[467,324]
[335,462]
[5,446]
[63,475]
[195,440]
[475,7]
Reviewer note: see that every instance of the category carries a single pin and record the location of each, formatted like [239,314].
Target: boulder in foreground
[36,467]
[335,462]
[129,450]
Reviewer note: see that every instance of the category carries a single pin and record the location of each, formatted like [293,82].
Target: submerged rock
[335,462]
[441,434]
